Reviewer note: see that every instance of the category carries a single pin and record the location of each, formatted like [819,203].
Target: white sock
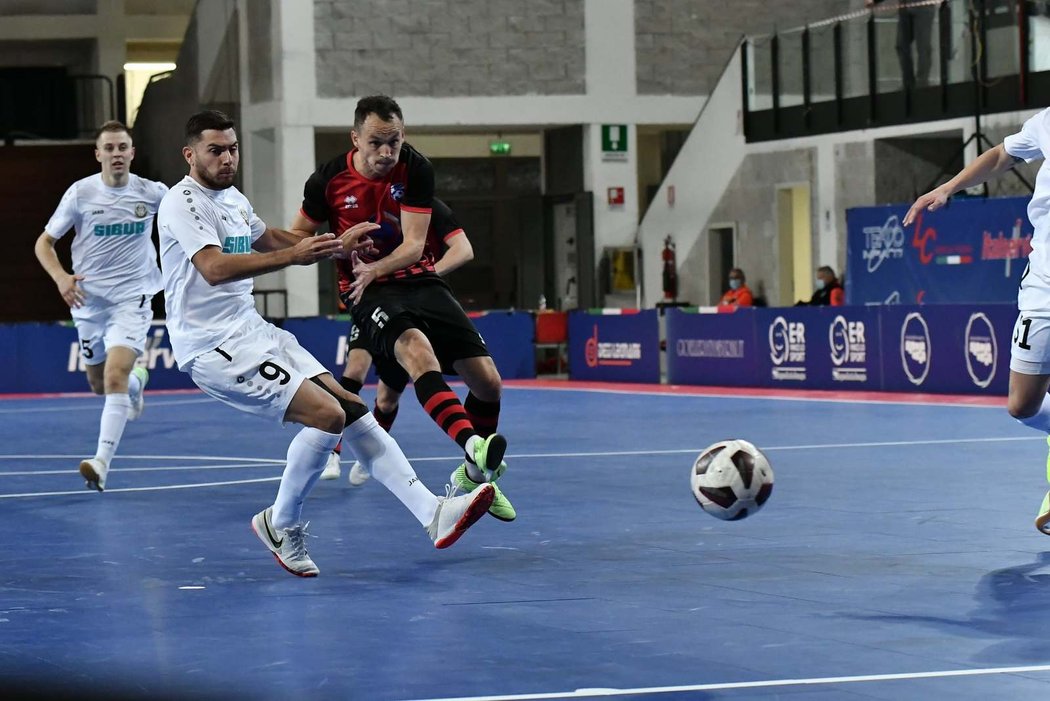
[1041,420]
[111,426]
[134,384]
[307,454]
[382,456]
[473,471]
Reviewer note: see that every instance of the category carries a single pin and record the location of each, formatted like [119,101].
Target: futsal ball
[731,479]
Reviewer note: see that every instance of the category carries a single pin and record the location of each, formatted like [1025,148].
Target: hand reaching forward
[364,273]
[931,201]
[356,238]
[314,248]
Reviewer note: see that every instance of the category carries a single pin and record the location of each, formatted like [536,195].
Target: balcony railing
[859,70]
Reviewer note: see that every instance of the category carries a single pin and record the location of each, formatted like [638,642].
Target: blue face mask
[820,283]
[734,283]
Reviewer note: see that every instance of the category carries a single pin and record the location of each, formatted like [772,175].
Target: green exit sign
[499,148]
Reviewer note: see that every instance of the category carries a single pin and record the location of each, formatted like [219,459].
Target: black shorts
[389,371]
[387,311]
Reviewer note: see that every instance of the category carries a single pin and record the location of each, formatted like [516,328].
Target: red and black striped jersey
[338,194]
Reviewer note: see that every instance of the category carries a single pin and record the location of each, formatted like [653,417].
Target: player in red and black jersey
[398,303]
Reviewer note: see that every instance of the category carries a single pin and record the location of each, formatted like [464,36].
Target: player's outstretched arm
[458,254]
[217,267]
[993,162]
[277,239]
[66,282]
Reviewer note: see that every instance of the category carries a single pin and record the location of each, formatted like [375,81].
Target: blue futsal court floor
[895,560]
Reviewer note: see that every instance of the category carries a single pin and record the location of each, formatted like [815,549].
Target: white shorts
[1030,343]
[102,325]
[257,370]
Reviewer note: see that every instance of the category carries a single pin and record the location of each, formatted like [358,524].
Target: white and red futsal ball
[731,479]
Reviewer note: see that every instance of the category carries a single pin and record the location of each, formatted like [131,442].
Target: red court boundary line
[681,390]
[778,393]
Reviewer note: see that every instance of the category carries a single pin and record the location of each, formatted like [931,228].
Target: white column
[281,138]
[112,46]
[609,37]
[295,156]
[827,240]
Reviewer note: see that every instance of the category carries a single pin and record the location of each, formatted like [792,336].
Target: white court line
[815,681]
[262,461]
[168,487]
[95,406]
[122,469]
[268,461]
[765,448]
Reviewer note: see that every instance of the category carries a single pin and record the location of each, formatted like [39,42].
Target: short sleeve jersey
[443,226]
[113,246]
[338,194]
[201,316]
[1031,143]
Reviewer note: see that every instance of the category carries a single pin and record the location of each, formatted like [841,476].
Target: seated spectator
[829,290]
[738,294]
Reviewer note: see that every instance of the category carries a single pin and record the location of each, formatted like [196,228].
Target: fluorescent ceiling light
[148,66]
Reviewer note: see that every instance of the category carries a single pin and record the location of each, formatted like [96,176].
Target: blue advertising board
[614,347]
[971,251]
[508,336]
[45,357]
[819,347]
[947,348]
[712,349]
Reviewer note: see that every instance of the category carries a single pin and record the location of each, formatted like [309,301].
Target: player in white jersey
[114,278]
[1027,400]
[212,244]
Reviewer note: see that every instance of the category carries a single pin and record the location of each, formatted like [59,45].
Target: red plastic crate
[552,327]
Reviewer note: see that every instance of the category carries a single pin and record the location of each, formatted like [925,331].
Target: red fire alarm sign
[615,195]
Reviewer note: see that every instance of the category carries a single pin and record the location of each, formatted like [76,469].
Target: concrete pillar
[610,56]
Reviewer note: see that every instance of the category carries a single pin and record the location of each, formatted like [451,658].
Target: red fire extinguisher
[670,271]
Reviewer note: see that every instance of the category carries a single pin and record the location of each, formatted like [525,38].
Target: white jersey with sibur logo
[113,248]
[201,316]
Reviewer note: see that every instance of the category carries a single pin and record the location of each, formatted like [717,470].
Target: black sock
[444,407]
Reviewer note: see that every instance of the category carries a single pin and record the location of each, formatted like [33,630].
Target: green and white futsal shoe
[501,507]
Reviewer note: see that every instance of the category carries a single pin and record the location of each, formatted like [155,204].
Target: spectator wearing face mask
[829,290]
[738,294]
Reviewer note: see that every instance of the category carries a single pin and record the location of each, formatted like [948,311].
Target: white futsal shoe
[138,399]
[332,468]
[288,545]
[359,474]
[456,514]
[94,472]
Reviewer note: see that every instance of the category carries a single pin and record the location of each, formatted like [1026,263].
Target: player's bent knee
[351,409]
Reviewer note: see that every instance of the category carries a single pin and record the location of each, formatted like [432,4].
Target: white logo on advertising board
[882,242]
[981,350]
[849,347]
[787,349]
[915,348]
